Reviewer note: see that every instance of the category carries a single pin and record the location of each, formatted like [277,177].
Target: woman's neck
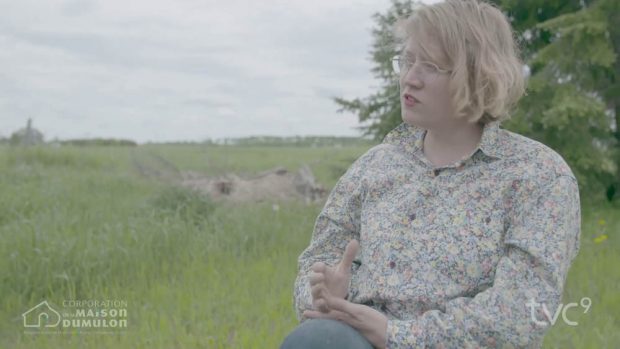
[445,146]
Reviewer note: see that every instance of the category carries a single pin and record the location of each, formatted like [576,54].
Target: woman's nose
[413,78]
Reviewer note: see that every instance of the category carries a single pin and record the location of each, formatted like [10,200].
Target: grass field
[83,224]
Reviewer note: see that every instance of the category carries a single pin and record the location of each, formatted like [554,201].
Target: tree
[381,110]
[572,102]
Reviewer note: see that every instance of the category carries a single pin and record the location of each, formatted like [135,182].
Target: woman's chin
[412,119]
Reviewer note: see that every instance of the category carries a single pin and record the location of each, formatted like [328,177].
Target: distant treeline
[299,141]
[294,141]
[99,142]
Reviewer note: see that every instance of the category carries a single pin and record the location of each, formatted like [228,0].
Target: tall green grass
[595,275]
[82,223]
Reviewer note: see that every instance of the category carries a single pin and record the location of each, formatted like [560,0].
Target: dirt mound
[277,184]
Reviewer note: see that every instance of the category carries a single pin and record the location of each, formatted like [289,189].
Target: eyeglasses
[424,70]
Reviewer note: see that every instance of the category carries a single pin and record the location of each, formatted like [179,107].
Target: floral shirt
[458,256]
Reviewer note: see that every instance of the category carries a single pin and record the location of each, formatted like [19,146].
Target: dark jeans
[325,334]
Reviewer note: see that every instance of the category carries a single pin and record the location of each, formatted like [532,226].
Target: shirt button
[436,172]
[392,265]
[487,220]
[412,217]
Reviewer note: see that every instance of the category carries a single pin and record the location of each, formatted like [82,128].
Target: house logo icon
[41,315]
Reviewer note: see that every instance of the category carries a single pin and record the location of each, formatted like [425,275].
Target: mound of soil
[277,184]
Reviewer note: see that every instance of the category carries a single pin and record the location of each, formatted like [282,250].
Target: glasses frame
[424,75]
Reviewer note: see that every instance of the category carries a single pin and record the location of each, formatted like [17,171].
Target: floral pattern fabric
[454,256]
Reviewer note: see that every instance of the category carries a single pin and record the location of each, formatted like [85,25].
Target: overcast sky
[163,70]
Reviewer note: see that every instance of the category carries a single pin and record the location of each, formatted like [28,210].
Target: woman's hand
[326,281]
[371,323]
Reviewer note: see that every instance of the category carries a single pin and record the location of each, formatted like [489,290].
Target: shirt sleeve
[540,244]
[337,224]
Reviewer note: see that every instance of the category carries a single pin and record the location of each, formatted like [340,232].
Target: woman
[452,233]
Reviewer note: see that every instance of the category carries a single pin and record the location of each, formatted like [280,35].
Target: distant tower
[27,136]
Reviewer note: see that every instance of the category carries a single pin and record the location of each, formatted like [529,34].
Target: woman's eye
[429,66]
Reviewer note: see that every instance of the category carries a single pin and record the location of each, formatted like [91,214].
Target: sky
[184,70]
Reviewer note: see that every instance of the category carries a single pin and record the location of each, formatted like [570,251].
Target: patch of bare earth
[277,184]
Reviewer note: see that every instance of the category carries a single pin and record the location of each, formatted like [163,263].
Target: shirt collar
[411,138]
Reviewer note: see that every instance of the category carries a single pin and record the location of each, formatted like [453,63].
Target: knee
[325,334]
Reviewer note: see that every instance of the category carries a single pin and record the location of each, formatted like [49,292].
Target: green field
[83,223]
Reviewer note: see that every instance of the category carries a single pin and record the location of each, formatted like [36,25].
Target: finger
[318,267]
[313,314]
[319,302]
[319,298]
[338,304]
[349,254]
[318,291]
[320,305]
[334,315]
[316,278]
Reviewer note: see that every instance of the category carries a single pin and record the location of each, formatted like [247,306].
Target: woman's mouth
[409,100]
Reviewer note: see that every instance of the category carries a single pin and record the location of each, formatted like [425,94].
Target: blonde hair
[477,40]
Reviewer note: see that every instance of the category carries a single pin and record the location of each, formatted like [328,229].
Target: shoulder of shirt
[532,158]
[373,153]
